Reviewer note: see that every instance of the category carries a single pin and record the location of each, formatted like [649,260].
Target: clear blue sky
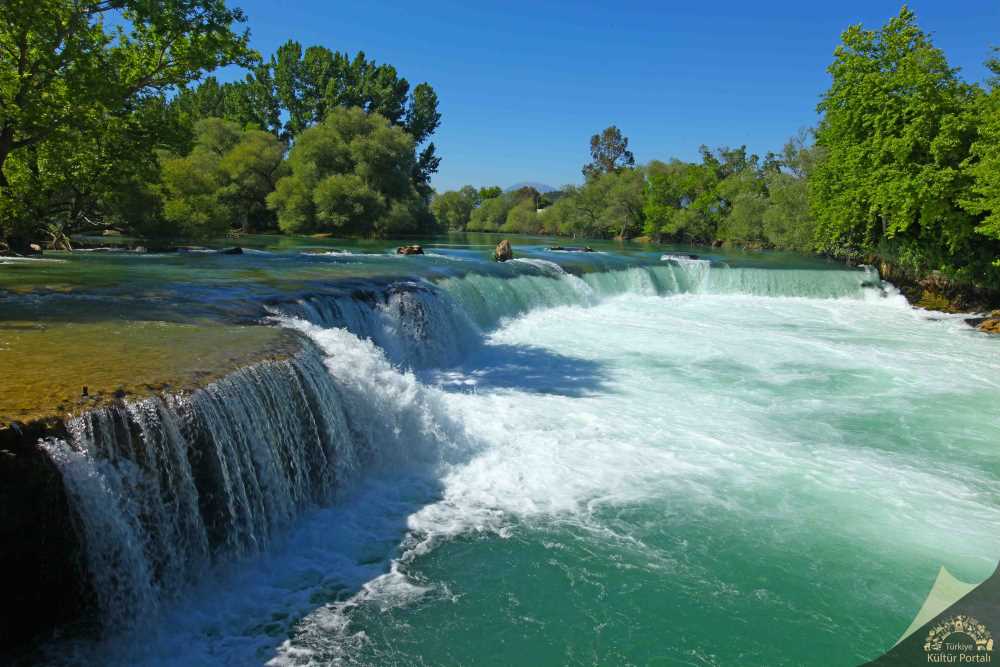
[523,85]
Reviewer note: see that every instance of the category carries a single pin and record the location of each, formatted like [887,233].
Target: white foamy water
[740,407]
[602,413]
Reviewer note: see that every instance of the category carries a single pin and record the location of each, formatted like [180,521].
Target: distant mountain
[541,187]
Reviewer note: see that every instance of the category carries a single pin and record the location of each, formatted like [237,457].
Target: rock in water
[990,325]
[236,250]
[23,247]
[410,250]
[503,252]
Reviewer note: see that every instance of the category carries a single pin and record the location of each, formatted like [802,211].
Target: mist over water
[682,463]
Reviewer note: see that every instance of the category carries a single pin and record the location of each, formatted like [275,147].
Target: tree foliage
[897,125]
[453,209]
[223,183]
[80,92]
[983,165]
[609,153]
[302,86]
[350,174]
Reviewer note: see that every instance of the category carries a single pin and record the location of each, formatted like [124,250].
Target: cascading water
[410,321]
[168,489]
[165,486]
[430,324]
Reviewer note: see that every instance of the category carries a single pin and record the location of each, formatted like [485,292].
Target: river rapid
[572,460]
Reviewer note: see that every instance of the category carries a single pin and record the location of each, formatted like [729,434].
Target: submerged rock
[235,250]
[503,252]
[410,250]
[570,248]
[140,250]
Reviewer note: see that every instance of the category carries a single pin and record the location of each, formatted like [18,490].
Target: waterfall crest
[424,324]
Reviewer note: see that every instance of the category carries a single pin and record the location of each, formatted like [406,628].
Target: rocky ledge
[46,589]
[989,324]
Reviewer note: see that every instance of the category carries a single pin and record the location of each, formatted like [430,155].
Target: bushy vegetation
[903,168]
[107,130]
[351,174]
[108,121]
[223,183]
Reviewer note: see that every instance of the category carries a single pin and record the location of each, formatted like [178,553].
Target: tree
[490,192]
[897,125]
[983,165]
[422,115]
[223,182]
[741,219]
[681,203]
[623,215]
[351,174]
[454,208]
[490,216]
[526,193]
[308,84]
[609,152]
[788,221]
[252,101]
[522,218]
[68,79]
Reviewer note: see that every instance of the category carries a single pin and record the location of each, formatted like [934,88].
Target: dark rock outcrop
[570,248]
[934,290]
[410,250]
[503,251]
[42,574]
[19,246]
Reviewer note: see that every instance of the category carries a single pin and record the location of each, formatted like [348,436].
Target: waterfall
[410,321]
[166,488]
[429,324]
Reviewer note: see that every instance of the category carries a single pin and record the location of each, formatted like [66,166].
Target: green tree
[609,153]
[788,221]
[223,182]
[252,102]
[309,83]
[522,218]
[623,215]
[68,80]
[490,192]
[745,199]
[897,125]
[983,165]
[351,173]
[454,208]
[526,192]
[490,216]
[681,202]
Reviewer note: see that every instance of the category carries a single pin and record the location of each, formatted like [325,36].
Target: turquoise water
[678,463]
[742,480]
